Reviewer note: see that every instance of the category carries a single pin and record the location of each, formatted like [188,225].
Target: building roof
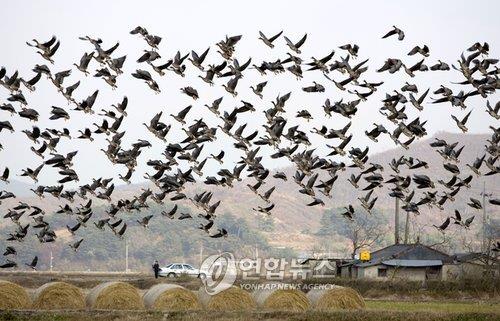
[406,252]
[307,260]
[471,257]
[413,263]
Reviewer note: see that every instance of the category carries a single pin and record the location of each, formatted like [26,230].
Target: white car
[177,269]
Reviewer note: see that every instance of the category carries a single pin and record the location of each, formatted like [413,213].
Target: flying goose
[295,46]
[424,51]
[45,46]
[443,226]
[197,60]
[84,63]
[230,87]
[33,263]
[5,175]
[395,31]
[461,123]
[269,41]
[74,246]
[47,54]
[259,88]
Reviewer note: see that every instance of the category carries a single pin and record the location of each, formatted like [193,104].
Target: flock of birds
[315,174]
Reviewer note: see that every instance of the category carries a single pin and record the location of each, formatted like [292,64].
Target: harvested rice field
[96,297]
[474,314]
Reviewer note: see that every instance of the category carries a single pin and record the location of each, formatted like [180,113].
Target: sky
[447,27]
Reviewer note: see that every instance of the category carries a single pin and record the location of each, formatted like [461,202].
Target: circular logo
[220,272]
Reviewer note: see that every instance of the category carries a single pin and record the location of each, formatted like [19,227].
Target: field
[397,311]
[474,301]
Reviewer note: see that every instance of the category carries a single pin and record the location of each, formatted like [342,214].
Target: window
[177,267]
[188,267]
[382,272]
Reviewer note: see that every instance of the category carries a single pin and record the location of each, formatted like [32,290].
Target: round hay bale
[58,296]
[275,296]
[13,296]
[231,299]
[114,296]
[336,298]
[170,297]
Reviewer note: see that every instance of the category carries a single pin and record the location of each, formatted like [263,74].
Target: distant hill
[292,216]
[294,224]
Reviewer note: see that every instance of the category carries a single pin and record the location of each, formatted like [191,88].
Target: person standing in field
[156,268]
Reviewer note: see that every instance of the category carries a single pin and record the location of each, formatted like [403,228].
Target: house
[413,262]
[470,265]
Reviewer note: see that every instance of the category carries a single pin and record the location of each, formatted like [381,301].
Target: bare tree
[364,231]
[488,258]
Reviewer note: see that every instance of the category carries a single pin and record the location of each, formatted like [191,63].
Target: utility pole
[126,256]
[484,243]
[51,261]
[201,253]
[407,227]
[396,222]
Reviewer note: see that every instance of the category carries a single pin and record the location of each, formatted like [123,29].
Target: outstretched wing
[275,36]
[301,41]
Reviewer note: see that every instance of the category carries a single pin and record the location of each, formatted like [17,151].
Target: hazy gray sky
[447,27]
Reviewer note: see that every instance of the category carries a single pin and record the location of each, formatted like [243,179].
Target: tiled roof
[413,263]
[412,252]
